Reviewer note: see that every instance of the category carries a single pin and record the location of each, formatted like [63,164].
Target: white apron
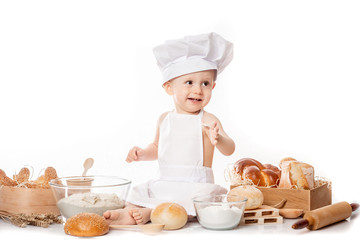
[180,157]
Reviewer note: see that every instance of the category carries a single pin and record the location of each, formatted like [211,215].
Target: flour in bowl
[89,202]
[219,217]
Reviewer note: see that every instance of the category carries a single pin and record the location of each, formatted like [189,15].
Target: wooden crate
[16,200]
[299,199]
[295,198]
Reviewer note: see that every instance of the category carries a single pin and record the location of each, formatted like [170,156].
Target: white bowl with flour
[93,194]
[89,202]
[216,213]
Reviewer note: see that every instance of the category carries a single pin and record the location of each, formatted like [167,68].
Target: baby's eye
[189,82]
[206,83]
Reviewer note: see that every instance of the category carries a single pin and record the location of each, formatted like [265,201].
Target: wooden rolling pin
[325,216]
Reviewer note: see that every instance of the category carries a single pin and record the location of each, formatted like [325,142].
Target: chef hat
[193,54]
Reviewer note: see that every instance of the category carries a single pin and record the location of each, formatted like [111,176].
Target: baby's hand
[212,132]
[135,154]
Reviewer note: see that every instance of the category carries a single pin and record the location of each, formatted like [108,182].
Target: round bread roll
[172,215]
[255,196]
[86,225]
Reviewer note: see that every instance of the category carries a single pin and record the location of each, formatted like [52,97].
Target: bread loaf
[173,215]
[295,174]
[86,225]
[266,175]
[255,196]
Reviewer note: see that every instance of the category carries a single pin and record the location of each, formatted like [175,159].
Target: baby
[185,137]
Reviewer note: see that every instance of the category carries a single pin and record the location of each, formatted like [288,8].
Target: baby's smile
[195,99]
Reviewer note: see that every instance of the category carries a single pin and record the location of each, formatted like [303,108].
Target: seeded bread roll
[86,225]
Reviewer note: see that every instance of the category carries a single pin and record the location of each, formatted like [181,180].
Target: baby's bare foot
[140,215]
[119,217]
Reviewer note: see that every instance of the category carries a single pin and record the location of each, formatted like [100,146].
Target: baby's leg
[141,215]
[120,216]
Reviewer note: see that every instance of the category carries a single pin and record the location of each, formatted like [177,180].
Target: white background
[78,79]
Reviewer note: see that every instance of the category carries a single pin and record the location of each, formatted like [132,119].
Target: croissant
[266,175]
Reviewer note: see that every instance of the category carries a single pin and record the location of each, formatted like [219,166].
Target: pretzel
[22,176]
[50,173]
[31,184]
[5,180]
[43,180]
[22,179]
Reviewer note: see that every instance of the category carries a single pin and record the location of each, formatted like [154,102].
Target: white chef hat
[193,54]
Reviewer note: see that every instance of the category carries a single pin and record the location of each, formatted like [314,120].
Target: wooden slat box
[16,200]
[299,199]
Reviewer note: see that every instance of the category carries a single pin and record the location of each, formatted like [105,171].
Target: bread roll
[172,215]
[86,225]
[255,196]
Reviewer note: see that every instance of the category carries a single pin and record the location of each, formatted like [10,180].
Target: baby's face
[191,92]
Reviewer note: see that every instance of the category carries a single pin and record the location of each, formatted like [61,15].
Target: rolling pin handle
[303,223]
[354,206]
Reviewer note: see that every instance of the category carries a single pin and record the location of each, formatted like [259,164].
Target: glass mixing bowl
[94,194]
[217,213]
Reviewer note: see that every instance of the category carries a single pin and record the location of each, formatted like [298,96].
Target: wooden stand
[262,215]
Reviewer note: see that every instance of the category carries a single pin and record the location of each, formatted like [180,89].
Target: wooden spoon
[151,228]
[89,162]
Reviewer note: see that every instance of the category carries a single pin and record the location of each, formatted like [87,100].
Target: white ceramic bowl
[94,194]
[215,212]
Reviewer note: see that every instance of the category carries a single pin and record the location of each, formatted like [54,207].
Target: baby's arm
[150,152]
[217,135]
[139,154]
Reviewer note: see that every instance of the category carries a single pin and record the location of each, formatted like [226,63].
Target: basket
[16,200]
